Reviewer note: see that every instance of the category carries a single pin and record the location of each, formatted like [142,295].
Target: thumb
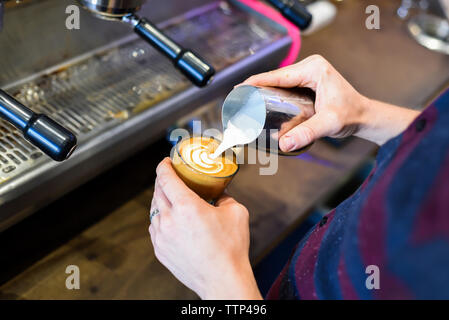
[304,134]
[225,200]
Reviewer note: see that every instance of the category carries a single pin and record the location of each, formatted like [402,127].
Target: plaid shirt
[398,221]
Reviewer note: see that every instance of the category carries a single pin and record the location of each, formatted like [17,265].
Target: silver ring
[154,213]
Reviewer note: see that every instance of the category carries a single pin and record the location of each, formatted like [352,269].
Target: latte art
[198,156]
[207,176]
[197,153]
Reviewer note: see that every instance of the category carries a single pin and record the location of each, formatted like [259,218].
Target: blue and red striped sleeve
[398,221]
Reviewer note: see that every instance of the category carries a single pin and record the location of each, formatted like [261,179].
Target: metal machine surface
[111,89]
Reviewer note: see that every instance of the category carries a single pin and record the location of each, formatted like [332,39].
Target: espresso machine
[106,90]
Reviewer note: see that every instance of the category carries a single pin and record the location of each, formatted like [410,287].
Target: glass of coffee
[194,164]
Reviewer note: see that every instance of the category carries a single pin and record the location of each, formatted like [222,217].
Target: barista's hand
[340,111]
[204,246]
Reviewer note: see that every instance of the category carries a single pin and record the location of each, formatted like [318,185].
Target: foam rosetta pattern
[197,153]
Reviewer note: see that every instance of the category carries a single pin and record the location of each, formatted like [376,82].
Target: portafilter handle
[195,68]
[46,134]
[1,14]
[294,11]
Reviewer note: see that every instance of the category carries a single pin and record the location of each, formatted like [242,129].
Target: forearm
[382,121]
[238,283]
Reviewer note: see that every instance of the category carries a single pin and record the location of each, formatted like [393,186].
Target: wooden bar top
[113,249]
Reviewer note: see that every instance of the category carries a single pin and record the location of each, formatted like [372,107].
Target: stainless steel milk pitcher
[277,111]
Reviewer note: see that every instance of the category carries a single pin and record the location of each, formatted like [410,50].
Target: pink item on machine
[292,30]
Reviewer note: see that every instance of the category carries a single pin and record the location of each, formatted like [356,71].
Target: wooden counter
[102,226]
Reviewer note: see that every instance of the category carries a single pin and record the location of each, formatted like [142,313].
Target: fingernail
[288,143]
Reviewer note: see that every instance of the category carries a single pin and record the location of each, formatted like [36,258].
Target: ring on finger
[154,213]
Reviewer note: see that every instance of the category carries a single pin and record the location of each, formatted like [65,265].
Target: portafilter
[196,69]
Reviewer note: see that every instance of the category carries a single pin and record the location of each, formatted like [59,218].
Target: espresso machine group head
[196,69]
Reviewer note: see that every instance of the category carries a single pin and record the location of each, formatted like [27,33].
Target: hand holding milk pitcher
[339,110]
[291,108]
[288,109]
